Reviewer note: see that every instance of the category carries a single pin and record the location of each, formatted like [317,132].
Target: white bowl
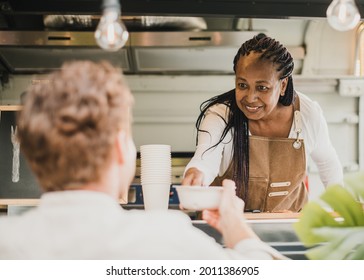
[199,198]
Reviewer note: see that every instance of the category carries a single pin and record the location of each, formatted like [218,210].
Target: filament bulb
[111,33]
[343,15]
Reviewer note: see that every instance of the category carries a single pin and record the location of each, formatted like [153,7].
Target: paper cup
[155,147]
[156,196]
[155,164]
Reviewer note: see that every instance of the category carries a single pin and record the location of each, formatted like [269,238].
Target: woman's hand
[229,219]
[193,177]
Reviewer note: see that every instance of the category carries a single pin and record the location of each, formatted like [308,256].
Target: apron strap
[297,122]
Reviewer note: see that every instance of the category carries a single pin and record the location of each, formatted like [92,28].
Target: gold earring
[282,93]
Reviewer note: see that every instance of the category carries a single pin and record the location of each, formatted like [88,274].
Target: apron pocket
[258,187]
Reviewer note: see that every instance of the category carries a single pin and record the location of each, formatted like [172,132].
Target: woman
[261,133]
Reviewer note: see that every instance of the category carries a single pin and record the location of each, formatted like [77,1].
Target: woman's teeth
[253,109]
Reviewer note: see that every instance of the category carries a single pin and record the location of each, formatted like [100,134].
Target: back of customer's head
[69,123]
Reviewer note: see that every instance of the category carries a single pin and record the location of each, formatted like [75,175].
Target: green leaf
[339,237]
[342,243]
[359,253]
[313,216]
[353,215]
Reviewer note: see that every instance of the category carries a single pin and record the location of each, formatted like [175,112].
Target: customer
[75,131]
[262,133]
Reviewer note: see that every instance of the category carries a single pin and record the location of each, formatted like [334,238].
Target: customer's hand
[229,219]
[193,177]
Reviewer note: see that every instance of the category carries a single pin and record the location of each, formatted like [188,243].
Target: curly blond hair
[68,125]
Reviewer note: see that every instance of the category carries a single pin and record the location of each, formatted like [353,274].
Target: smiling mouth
[252,109]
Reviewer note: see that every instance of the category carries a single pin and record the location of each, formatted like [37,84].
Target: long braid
[240,152]
[270,50]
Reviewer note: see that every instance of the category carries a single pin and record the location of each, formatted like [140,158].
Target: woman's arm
[324,154]
[205,164]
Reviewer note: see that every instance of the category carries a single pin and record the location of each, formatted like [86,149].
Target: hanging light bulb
[111,33]
[343,15]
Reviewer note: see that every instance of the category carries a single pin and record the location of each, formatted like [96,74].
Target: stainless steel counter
[278,233]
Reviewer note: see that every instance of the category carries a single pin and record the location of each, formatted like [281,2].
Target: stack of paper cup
[155,175]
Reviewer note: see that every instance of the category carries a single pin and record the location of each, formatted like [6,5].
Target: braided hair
[271,50]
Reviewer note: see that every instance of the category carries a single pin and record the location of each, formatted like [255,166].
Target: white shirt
[91,225]
[314,133]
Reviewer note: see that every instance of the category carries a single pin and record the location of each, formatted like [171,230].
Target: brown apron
[277,169]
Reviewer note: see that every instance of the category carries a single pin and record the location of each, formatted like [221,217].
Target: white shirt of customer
[92,225]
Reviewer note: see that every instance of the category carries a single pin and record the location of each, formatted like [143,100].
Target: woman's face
[257,87]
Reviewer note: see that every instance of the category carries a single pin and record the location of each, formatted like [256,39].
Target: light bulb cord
[106,4]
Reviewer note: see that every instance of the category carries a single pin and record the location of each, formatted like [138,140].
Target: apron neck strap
[297,121]
[296,102]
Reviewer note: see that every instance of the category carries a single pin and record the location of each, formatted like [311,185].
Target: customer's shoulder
[14,228]
[10,221]
[154,223]
[160,217]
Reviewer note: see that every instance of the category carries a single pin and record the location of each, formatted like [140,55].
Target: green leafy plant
[335,236]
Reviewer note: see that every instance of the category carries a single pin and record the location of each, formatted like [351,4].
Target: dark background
[27,15]
[27,186]
[238,8]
